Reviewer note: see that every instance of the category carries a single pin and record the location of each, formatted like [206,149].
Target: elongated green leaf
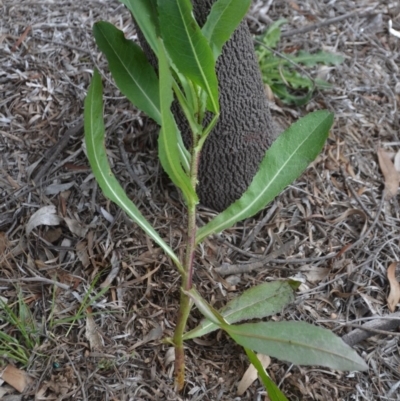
[145,15]
[283,162]
[297,342]
[255,303]
[168,139]
[184,155]
[321,57]
[94,139]
[187,46]
[273,35]
[273,391]
[223,19]
[133,74]
[205,308]
[188,101]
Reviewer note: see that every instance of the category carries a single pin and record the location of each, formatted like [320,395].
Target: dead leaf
[107,215]
[55,189]
[3,391]
[397,161]
[92,333]
[251,374]
[393,31]
[3,242]
[81,251]
[269,93]
[115,267]
[15,378]
[46,216]
[76,227]
[53,234]
[153,335]
[314,274]
[65,243]
[394,294]
[390,174]
[294,5]
[169,356]
[65,277]
[21,38]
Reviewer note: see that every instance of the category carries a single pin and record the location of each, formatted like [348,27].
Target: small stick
[259,226]
[377,326]
[134,176]
[326,22]
[55,150]
[227,269]
[21,38]
[36,279]
[63,44]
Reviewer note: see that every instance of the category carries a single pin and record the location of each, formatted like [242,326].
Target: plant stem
[185,302]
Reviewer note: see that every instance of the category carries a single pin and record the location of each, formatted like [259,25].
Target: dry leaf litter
[62,243]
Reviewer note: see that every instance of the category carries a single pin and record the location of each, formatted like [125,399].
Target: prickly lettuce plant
[281,72]
[187,56]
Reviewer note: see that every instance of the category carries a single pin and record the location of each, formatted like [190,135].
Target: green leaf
[96,153]
[273,391]
[255,303]
[205,308]
[279,72]
[321,57]
[187,46]
[223,19]
[168,140]
[297,342]
[283,162]
[133,74]
[145,15]
[273,34]
[186,95]
[281,90]
[184,155]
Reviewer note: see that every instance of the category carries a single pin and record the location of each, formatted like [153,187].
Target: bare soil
[107,345]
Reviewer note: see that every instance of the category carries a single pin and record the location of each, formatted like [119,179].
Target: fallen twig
[36,279]
[53,152]
[21,38]
[326,22]
[377,326]
[226,269]
[134,176]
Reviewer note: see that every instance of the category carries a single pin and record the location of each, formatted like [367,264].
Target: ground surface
[346,233]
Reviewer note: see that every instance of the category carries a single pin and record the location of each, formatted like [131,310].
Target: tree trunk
[234,149]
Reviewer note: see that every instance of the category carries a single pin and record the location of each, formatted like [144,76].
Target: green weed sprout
[281,71]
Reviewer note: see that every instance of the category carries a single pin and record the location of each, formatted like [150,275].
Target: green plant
[22,335]
[186,69]
[280,71]
[87,301]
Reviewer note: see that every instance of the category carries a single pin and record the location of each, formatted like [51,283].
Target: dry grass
[105,345]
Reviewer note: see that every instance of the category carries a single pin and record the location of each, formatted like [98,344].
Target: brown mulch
[107,345]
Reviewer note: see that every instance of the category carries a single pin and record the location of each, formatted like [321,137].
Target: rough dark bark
[236,146]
